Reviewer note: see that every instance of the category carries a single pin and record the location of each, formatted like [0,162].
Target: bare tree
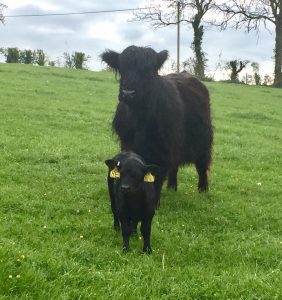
[251,14]
[236,66]
[192,13]
[2,7]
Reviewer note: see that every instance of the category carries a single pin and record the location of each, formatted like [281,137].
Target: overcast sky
[94,33]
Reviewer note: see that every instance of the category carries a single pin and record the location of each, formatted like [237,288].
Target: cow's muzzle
[127,94]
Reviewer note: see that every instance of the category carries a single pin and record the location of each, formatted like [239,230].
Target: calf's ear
[111,163]
[162,57]
[111,59]
[154,169]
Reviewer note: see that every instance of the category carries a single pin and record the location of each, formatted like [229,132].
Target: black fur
[132,199]
[165,119]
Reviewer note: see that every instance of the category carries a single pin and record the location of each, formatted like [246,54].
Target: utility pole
[178,36]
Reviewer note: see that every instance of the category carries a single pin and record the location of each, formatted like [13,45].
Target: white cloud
[104,31]
[44,5]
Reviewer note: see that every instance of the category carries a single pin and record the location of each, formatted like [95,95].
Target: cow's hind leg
[172,179]
[160,178]
[134,224]
[202,167]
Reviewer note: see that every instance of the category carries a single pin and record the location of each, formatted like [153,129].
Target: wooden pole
[178,36]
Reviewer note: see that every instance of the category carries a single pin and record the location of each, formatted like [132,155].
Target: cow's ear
[162,57]
[111,59]
[112,163]
[154,169]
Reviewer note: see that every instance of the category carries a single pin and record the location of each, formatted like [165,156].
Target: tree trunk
[234,71]
[197,47]
[278,53]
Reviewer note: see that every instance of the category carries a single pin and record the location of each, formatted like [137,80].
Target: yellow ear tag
[115,173]
[149,177]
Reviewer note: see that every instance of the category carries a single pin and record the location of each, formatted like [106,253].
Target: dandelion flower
[10,276]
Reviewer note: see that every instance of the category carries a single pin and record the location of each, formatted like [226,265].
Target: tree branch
[2,6]
[247,12]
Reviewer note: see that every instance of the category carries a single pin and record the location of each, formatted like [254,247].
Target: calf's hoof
[147,250]
[125,249]
[172,187]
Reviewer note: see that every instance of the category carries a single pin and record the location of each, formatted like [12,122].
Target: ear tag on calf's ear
[115,173]
[149,177]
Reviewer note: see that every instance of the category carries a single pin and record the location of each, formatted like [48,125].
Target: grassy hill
[56,236]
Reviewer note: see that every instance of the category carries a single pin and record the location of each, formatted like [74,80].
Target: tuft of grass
[56,235]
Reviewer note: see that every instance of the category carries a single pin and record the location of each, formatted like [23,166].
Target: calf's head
[137,67]
[132,173]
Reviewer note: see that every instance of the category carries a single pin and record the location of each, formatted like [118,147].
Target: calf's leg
[126,231]
[146,233]
[113,203]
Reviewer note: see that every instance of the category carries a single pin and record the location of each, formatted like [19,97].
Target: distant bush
[51,63]
[27,57]
[76,60]
[12,55]
[41,58]
[79,60]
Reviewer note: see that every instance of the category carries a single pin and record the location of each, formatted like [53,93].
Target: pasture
[56,231]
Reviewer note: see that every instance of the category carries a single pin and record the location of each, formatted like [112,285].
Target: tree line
[201,14]
[77,60]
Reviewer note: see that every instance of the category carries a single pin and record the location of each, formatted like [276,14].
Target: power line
[76,13]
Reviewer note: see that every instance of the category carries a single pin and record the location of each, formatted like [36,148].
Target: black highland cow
[133,196]
[165,119]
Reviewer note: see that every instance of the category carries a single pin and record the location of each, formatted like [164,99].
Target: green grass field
[56,235]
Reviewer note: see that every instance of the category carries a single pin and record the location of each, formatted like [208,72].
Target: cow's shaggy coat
[165,119]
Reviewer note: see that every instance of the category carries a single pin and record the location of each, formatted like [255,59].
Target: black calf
[133,196]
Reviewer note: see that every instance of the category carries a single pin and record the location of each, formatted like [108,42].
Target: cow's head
[137,67]
[132,173]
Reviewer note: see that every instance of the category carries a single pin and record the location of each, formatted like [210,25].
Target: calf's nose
[125,187]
